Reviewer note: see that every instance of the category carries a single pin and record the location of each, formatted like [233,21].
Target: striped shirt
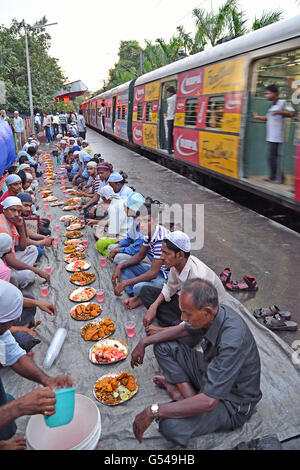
[63,119]
[155,245]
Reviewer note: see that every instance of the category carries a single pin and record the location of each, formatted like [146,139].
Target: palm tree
[268,17]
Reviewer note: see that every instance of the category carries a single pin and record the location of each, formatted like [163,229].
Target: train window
[215,111]
[119,112]
[140,112]
[123,113]
[149,112]
[191,112]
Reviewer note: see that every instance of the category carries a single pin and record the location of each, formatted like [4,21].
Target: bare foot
[172,390]
[152,330]
[132,302]
[16,443]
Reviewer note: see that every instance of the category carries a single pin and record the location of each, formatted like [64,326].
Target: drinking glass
[44,290]
[100,296]
[103,262]
[130,329]
[48,269]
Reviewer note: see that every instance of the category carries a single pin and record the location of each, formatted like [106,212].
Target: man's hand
[254,115]
[15,443]
[28,330]
[46,307]
[92,222]
[42,274]
[74,180]
[113,253]
[19,222]
[62,381]
[150,315]
[38,401]
[141,423]
[119,288]
[277,113]
[92,211]
[116,277]
[137,355]
[48,241]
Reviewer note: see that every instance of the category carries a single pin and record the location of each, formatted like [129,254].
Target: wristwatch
[154,410]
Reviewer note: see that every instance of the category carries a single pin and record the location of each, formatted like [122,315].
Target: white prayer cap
[11,179]
[115,178]
[29,176]
[181,240]
[72,138]
[11,201]
[76,152]
[108,193]
[84,142]
[92,164]
[11,302]
[59,136]
[135,201]
[23,166]
[5,243]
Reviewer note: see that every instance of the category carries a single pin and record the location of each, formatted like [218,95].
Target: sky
[87,37]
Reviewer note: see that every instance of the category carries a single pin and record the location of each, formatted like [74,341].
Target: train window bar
[123,113]
[149,112]
[191,108]
[140,112]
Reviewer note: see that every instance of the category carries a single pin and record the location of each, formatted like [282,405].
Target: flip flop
[225,275]
[248,284]
[277,323]
[271,311]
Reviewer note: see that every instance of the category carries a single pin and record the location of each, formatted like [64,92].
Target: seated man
[118,183]
[91,188]
[33,238]
[132,275]
[82,176]
[75,167]
[163,304]
[21,261]
[131,245]
[14,186]
[95,210]
[214,385]
[11,307]
[87,148]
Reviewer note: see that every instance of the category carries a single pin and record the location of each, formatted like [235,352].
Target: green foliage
[46,75]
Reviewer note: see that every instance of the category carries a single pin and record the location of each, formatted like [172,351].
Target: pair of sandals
[248,283]
[275,319]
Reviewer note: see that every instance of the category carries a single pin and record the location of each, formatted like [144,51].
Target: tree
[46,75]
[128,65]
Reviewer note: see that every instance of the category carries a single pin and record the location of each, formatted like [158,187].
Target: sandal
[225,275]
[248,285]
[278,323]
[271,311]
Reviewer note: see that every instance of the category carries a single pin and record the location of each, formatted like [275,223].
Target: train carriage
[217,91]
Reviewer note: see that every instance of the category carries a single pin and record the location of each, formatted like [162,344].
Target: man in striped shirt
[132,275]
[63,123]
[91,188]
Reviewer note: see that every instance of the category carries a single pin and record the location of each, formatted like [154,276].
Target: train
[217,91]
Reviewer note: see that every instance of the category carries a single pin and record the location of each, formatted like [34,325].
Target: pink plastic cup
[44,290]
[57,228]
[130,329]
[46,207]
[100,296]
[49,216]
[48,269]
[55,240]
[103,262]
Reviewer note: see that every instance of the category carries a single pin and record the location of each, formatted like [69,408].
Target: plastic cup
[46,207]
[65,404]
[100,296]
[57,228]
[103,262]
[48,269]
[130,329]
[44,290]
[49,216]
[55,240]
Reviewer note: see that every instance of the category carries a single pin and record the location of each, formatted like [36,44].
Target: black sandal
[278,323]
[271,311]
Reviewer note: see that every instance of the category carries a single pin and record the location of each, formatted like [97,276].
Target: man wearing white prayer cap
[22,258]
[163,303]
[117,182]
[39,401]
[14,186]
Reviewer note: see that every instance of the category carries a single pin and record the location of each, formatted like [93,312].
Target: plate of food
[108,351]
[82,294]
[67,217]
[85,311]
[57,203]
[74,234]
[98,329]
[74,256]
[77,266]
[75,242]
[115,389]
[82,278]
[71,249]
[75,226]
[51,198]
[69,208]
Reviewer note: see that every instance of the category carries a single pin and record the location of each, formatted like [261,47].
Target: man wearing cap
[164,304]
[14,186]
[104,170]
[131,245]
[23,257]
[89,191]
[87,148]
[117,182]
[75,167]
[82,175]
[40,400]
[214,384]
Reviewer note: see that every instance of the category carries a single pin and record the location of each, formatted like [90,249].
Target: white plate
[71,266]
[78,290]
[84,303]
[113,342]
[114,404]
[96,322]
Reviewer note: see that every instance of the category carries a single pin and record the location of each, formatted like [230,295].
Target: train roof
[272,34]
[112,91]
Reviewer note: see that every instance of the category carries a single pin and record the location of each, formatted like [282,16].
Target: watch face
[154,409]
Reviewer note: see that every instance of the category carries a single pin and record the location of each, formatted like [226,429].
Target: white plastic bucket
[82,433]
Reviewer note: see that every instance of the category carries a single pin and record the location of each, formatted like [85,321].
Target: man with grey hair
[214,385]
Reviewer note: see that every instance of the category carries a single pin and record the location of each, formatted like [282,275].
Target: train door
[281,69]
[163,106]
[114,103]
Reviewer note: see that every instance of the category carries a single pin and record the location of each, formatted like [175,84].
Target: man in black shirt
[215,384]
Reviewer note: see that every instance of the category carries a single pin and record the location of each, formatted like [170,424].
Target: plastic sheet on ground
[278,411]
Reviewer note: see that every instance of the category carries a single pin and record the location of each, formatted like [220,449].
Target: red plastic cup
[48,269]
[103,262]
[57,228]
[100,296]
[55,240]
[130,329]
[46,207]
[49,216]
[44,290]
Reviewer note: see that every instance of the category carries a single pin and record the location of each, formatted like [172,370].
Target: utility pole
[37,26]
[141,62]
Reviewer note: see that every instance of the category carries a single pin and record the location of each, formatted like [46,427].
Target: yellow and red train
[217,91]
